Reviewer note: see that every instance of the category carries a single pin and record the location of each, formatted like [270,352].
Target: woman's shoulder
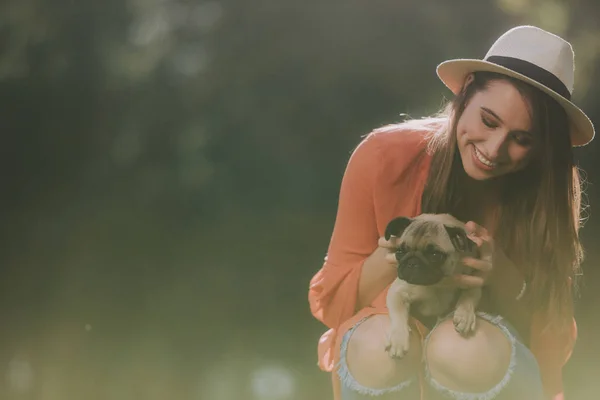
[399,144]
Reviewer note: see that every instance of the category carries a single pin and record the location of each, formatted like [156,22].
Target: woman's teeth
[484,160]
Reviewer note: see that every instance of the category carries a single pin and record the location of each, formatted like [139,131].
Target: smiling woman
[497,132]
[498,157]
[488,145]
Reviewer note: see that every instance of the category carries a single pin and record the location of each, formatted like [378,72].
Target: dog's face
[430,247]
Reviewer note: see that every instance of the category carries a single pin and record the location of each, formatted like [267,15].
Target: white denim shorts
[521,381]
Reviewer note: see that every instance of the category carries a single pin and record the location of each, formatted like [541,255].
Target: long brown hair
[539,207]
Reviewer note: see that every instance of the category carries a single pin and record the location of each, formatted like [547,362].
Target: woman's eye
[523,139]
[488,122]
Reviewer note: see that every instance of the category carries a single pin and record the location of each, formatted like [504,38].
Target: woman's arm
[501,277]
[551,348]
[377,273]
[334,290]
[505,286]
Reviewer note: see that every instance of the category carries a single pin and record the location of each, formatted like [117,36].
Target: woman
[499,157]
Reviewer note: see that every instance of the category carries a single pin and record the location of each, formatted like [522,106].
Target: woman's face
[494,132]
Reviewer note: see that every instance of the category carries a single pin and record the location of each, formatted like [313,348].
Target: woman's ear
[468,80]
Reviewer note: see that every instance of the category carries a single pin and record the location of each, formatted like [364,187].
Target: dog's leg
[398,306]
[464,316]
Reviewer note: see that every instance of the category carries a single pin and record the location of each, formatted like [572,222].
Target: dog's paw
[399,342]
[465,320]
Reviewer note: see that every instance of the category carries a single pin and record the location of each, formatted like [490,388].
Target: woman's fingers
[478,241]
[482,269]
[480,265]
[391,258]
[468,281]
[387,244]
[390,246]
[481,237]
[477,231]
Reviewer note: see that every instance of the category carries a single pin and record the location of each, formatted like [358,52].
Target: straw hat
[535,56]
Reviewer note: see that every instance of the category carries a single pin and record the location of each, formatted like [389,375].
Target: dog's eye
[437,256]
[400,252]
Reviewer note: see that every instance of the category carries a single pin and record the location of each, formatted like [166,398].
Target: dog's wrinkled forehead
[420,234]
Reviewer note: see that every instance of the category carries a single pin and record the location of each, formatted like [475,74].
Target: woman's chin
[476,174]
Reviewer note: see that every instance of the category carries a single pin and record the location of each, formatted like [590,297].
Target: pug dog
[429,248]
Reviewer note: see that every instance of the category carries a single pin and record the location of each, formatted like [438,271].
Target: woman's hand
[483,266]
[390,246]
[505,287]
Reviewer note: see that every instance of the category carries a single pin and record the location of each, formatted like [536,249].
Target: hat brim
[454,72]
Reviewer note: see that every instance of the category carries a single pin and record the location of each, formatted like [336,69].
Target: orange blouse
[385,178]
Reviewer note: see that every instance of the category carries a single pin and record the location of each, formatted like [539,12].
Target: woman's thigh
[365,369]
[521,380]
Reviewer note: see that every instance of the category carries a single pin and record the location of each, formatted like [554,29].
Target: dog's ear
[397,226]
[459,239]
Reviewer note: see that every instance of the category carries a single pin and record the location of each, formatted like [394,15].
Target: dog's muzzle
[416,272]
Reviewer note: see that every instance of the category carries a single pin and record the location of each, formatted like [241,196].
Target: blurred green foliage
[171,171]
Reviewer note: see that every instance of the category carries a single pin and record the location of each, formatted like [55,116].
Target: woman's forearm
[376,274]
[505,287]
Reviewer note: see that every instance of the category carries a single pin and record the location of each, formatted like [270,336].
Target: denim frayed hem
[350,382]
[493,392]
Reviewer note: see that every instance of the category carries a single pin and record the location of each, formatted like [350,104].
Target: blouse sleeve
[333,289]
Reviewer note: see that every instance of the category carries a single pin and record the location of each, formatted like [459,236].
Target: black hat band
[532,71]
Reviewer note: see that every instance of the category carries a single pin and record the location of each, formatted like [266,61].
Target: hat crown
[539,47]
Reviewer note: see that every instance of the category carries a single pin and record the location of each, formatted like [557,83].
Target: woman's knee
[366,361]
[473,364]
